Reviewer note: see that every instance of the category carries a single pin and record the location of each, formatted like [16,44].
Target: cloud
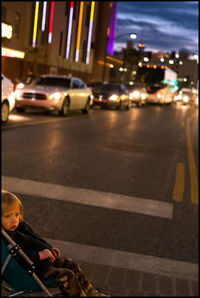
[160,25]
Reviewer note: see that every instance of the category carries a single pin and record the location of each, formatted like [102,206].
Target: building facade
[68,37]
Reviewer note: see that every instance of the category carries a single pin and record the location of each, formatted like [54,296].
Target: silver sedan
[54,93]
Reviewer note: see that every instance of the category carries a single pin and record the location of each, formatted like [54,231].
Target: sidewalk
[125,282]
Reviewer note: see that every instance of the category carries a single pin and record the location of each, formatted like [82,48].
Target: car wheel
[87,107]
[65,108]
[20,110]
[4,112]
[119,105]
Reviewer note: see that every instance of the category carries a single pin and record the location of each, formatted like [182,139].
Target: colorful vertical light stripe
[51,22]
[79,31]
[44,15]
[113,21]
[69,29]
[90,32]
[35,23]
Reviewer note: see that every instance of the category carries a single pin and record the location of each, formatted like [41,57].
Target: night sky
[161,26]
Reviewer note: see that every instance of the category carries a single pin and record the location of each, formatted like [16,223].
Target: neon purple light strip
[113,22]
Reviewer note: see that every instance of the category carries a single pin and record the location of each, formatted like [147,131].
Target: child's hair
[8,201]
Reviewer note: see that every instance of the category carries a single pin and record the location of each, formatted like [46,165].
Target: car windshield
[50,81]
[110,88]
[135,86]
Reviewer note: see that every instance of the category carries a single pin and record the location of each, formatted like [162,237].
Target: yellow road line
[179,182]
[192,167]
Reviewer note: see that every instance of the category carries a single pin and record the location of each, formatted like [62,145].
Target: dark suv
[112,95]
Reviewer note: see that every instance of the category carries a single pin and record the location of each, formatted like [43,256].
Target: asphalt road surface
[110,183]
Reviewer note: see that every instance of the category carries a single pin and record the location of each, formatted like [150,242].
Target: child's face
[10,220]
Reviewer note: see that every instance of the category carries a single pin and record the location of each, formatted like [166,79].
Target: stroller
[16,281]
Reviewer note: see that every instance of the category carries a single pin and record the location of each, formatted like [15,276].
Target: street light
[131,35]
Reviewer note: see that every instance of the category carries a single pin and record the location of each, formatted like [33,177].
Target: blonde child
[46,258]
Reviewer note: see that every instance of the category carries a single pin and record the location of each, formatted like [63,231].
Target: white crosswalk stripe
[89,197]
[127,260]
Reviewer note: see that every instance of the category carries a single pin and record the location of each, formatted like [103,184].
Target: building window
[84,51]
[3,14]
[61,41]
[76,9]
[87,19]
[67,8]
[17,25]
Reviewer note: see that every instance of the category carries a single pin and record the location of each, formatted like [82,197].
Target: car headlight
[159,95]
[12,100]
[178,97]
[55,96]
[20,86]
[17,94]
[185,98]
[136,94]
[143,96]
[114,97]
[197,100]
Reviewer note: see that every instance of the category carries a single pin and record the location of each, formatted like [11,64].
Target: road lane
[193,172]
[131,154]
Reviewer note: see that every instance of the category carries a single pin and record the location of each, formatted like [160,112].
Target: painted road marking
[179,182]
[89,197]
[193,171]
[127,260]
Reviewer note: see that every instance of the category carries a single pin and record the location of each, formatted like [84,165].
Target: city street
[111,188]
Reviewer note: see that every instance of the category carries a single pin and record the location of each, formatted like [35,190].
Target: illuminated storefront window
[12,53]
[6,30]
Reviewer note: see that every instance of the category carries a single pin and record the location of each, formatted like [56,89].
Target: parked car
[187,96]
[55,93]
[138,94]
[94,85]
[161,94]
[112,95]
[7,98]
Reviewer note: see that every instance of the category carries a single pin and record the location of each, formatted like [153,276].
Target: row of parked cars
[187,96]
[63,93]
